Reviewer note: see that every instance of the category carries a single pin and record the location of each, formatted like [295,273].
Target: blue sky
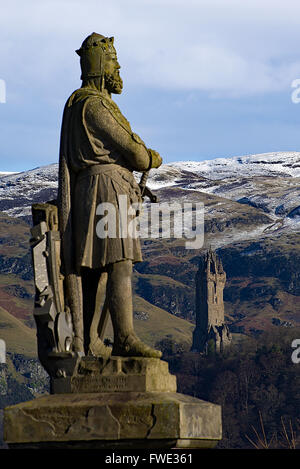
[202,78]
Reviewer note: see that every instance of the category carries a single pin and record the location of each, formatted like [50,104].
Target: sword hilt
[145,191]
[143,181]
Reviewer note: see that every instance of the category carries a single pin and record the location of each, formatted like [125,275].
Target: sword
[145,191]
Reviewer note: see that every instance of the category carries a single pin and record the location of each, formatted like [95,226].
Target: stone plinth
[123,403]
[119,420]
[117,374]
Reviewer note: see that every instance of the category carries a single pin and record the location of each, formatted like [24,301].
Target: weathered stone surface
[96,374]
[122,419]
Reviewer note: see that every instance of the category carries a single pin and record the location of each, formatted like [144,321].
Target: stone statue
[80,277]
[98,154]
[126,399]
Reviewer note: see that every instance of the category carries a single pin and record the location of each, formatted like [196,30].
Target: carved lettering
[115,383]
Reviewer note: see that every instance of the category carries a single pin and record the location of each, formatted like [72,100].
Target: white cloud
[224,47]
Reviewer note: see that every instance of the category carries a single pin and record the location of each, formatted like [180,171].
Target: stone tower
[211,330]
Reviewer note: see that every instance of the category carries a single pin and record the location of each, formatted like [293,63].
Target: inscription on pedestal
[119,383]
[117,374]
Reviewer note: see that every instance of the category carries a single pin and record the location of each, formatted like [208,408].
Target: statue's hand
[156,159]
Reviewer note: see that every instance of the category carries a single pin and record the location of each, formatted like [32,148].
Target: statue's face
[113,81]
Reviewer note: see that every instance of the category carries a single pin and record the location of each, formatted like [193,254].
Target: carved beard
[114,83]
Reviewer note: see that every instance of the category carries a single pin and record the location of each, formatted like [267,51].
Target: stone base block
[95,374]
[121,420]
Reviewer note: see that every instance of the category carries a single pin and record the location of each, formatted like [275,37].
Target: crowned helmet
[93,52]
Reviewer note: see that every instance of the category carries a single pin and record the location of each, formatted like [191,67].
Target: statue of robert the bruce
[98,154]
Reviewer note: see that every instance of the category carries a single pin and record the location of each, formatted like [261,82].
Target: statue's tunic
[98,154]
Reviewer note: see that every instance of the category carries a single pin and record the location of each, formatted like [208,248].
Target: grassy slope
[166,264]
[161,324]
[12,288]
[14,236]
[18,337]
[158,325]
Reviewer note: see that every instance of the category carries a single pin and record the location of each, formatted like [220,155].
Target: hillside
[252,218]
[18,337]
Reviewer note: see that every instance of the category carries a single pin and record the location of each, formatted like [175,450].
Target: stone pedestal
[128,406]
[116,374]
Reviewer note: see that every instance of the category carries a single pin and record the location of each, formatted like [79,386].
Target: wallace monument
[118,397]
[211,333]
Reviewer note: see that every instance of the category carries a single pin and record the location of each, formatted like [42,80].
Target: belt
[100,169]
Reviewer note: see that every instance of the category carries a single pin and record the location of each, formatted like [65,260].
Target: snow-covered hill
[265,164]
[252,216]
[268,182]
[18,191]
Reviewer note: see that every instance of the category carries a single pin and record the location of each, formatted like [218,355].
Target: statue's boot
[99,349]
[132,346]
[119,292]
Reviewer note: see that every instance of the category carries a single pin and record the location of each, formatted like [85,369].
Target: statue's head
[98,60]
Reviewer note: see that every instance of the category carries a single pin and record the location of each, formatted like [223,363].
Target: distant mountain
[268,183]
[19,191]
[252,217]
[264,164]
